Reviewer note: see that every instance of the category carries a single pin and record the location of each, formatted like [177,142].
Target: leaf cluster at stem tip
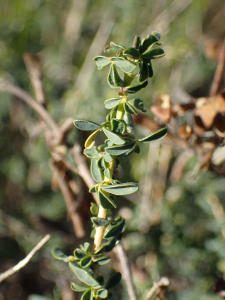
[135,63]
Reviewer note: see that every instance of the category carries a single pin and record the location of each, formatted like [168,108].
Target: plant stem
[102,214]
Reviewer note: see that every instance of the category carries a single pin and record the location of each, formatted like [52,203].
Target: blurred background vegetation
[175,224]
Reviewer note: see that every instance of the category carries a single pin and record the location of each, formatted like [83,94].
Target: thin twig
[18,92]
[125,270]
[24,261]
[163,282]
[71,202]
[217,80]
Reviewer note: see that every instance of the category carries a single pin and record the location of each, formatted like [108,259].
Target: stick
[217,80]
[18,92]
[163,282]
[125,270]
[24,261]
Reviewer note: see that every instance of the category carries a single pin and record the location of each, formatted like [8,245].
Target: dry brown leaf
[185,132]
[207,109]
[162,109]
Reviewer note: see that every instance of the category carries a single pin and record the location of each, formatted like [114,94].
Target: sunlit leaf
[121,189]
[58,254]
[124,64]
[83,274]
[90,141]
[79,287]
[96,172]
[116,139]
[119,150]
[101,61]
[86,125]
[156,136]
[110,103]
[99,221]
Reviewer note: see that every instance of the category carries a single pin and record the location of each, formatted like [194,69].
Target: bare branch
[125,270]
[23,262]
[217,80]
[163,282]
[34,68]
[18,92]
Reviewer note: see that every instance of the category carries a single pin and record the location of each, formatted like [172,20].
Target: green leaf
[85,247]
[108,173]
[113,78]
[80,254]
[119,150]
[105,200]
[116,139]
[114,230]
[120,189]
[113,44]
[135,88]
[99,221]
[83,275]
[91,153]
[86,262]
[138,103]
[96,173]
[110,103]
[124,64]
[113,280]
[149,40]
[88,295]
[144,71]
[101,163]
[86,125]
[94,208]
[134,53]
[79,287]
[102,293]
[90,141]
[156,136]
[102,260]
[118,126]
[154,53]
[107,157]
[129,108]
[150,70]
[93,189]
[101,61]
[58,254]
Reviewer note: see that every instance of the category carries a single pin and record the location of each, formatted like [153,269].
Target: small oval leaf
[105,200]
[156,136]
[154,53]
[110,103]
[134,53]
[102,293]
[83,275]
[119,150]
[86,125]
[99,221]
[58,254]
[135,88]
[101,62]
[86,262]
[88,295]
[79,287]
[124,64]
[96,173]
[120,189]
[144,71]
[113,78]
[90,141]
[116,139]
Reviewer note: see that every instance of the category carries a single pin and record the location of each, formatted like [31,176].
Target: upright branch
[136,65]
